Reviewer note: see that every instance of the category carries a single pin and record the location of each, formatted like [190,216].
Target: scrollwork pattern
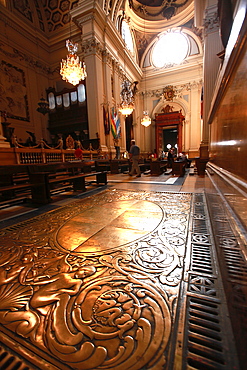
[101,311]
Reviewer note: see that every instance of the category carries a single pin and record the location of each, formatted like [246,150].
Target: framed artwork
[13,92]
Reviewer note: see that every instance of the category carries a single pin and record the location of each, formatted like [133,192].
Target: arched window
[81,93]
[51,100]
[171,48]
[126,35]
[66,101]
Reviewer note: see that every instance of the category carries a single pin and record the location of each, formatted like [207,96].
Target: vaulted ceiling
[48,15]
[158,9]
[51,15]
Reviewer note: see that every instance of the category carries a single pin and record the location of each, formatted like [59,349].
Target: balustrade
[43,153]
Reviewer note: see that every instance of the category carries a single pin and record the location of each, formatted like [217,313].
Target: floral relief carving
[95,310]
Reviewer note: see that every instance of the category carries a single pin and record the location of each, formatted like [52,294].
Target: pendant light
[43,106]
[126,106]
[72,70]
[146,120]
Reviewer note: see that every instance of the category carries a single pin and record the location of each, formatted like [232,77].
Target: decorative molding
[79,22]
[211,20]
[160,93]
[31,62]
[92,46]
[169,93]
[107,58]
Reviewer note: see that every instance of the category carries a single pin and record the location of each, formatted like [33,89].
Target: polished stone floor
[121,277]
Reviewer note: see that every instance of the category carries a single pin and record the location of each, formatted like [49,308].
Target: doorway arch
[172,118]
[172,121]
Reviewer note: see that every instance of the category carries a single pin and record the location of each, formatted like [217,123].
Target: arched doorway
[168,126]
[170,138]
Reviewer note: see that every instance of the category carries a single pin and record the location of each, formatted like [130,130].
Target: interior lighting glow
[227,142]
[72,70]
[172,48]
[146,120]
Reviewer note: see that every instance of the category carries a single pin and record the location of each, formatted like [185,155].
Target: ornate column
[212,47]
[92,51]
[107,96]
[87,16]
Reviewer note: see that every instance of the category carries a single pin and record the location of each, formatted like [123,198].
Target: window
[81,93]
[51,100]
[171,48]
[59,100]
[126,35]
[66,101]
[73,97]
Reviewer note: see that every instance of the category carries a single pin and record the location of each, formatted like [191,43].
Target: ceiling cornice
[159,26]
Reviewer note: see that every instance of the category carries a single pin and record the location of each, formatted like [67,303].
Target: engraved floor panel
[119,280]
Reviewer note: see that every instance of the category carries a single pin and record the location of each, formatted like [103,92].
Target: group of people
[134,154]
[182,157]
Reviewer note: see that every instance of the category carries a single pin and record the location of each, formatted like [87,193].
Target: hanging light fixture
[126,106]
[72,70]
[43,106]
[146,120]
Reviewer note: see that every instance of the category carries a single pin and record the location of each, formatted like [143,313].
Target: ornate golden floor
[119,280]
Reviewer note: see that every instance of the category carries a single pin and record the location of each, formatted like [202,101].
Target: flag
[106,119]
[202,93]
[115,124]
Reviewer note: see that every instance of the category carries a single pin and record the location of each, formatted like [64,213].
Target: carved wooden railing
[43,153]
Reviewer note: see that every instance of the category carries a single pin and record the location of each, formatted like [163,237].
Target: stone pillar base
[204,153]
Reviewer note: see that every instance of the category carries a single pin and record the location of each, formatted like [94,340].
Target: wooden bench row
[39,182]
[114,166]
[158,167]
[178,168]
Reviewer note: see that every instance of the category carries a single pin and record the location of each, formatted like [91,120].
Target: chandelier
[126,106]
[146,120]
[72,70]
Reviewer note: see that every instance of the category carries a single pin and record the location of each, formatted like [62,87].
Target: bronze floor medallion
[105,282]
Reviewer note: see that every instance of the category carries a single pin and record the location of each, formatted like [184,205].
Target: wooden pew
[114,165]
[119,165]
[45,179]
[14,182]
[178,168]
[102,165]
[158,167]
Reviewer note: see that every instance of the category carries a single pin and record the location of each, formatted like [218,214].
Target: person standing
[134,154]
[170,157]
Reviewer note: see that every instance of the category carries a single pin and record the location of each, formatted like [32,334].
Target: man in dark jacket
[134,154]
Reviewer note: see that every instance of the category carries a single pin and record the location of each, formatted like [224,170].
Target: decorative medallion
[169,93]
